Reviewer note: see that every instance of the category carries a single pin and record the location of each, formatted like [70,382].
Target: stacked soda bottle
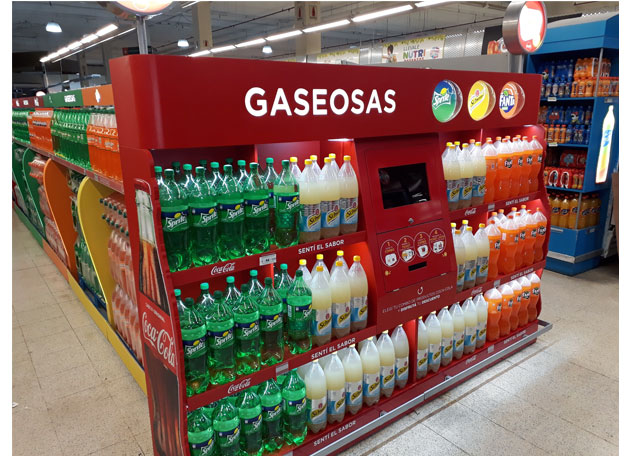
[19,125]
[124,307]
[69,135]
[209,216]
[102,142]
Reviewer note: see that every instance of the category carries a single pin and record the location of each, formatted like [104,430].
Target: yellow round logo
[237,206]
[177,215]
[211,210]
[481,100]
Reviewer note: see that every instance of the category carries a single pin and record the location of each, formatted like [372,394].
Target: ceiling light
[330,25]
[89,38]
[222,49]
[74,45]
[189,4]
[267,49]
[108,29]
[53,27]
[282,36]
[45,59]
[251,43]
[377,14]
[199,53]
[183,43]
[430,3]
[63,50]
[40,93]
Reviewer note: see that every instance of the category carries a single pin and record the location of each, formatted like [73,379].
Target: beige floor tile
[384,436]
[124,391]
[417,441]
[72,381]
[20,263]
[32,332]
[136,415]
[124,448]
[20,351]
[39,314]
[79,318]
[33,434]
[144,440]
[40,299]
[49,364]
[53,343]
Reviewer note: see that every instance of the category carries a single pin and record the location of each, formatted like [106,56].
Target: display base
[98,318]
[571,269]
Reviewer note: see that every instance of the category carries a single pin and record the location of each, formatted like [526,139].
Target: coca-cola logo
[229,267]
[160,339]
[239,386]
[470,211]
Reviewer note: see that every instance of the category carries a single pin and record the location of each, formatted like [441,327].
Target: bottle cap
[340,253]
[217,294]
[386,331]
[469,229]
[244,288]
[457,143]
[204,286]
[175,164]
[168,173]
[215,165]
[319,256]
[199,169]
[253,166]
[465,222]
[453,225]
[339,263]
[489,139]
[156,169]
[293,159]
[242,163]
[327,160]
[524,206]
[187,167]
[283,267]
[268,281]
[307,161]
[231,279]
[472,141]
[177,292]
[501,211]
[269,160]
[356,258]
[303,262]
[228,168]
[465,145]
[332,156]
[314,157]
[253,273]
[346,158]
[481,225]
[457,231]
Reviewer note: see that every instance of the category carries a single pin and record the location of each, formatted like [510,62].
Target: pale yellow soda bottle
[330,206]
[470,325]
[353,379]
[466,173]
[321,307]
[422,355]
[348,197]
[483,250]
[340,302]
[387,364]
[434,336]
[458,330]
[458,246]
[359,295]
[309,221]
[452,176]
[479,174]
[482,309]
[336,399]
[370,359]
[316,386]
[446,326]
[401,349]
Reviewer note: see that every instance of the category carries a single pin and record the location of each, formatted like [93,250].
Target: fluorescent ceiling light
[89,38]
[183,43]
[267,49]
[430,3]
[199,53]
[329,25]
[108,29]
[45,59]
[189,4]
[53,27]
[40,93]
[74,45]
[282,36]
[222,49]
[251,43]
[382,13]
[63,50]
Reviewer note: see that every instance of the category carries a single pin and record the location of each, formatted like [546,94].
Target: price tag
[552,99]
[552,144]
[268,259]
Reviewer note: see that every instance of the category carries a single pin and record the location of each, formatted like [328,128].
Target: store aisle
[73,396]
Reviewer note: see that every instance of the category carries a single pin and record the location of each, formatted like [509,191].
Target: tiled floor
[73,396]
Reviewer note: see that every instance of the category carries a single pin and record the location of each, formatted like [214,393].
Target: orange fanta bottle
[517,168]
[536,165]
[527,155]
[535,295]
[507,306]
[503,174]
[523,315]
[495,235]
[491,159]
[494,302]
[522,236]
[508,246]
[517,301]
[530,240]
[541,220]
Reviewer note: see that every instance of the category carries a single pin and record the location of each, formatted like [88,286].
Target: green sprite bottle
[250,413]
[194,344]
[271,400]
[200,433]
[203,221]
[241,174]
[220,343]
[269,178]
[231,217]
[231,294]
[299,316]
[247,333]
[188,180]
[215,179]
[174,208]
[211,409]
[287,195]
[179,177]
[207,171]
[255,287]
[271,324]
[226,425]
[257,238]
[282,283]
[295,406]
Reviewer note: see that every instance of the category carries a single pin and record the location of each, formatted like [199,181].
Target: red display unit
[186,109]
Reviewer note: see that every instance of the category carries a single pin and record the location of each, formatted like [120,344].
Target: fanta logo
[534,232]
[530,160]
[510,303]
[508,163]
[507,101]
[497,245]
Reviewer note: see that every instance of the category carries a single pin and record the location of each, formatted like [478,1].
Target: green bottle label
[194,342]
[173,221]
[254,424]
[270,322]
[201,443]
[249,329]
[220,339]
[272,413]
[256,208]
[227,439]
[288,204]
[297,407]
[231,212]
[203,217]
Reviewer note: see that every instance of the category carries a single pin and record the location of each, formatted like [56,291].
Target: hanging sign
[427,48]
[338,57]
[524,26]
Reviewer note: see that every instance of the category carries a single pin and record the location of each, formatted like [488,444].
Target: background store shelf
[576,146]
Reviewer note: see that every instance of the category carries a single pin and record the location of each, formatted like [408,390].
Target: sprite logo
[274,413]
[193,349]
[273,323]
[226,336]
[293,204]
[445,102]
[234,213]
[173,221]
[257,208]
[206,218]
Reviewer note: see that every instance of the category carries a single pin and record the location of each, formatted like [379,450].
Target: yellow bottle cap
[356,258]
[319,256]
[346,158]
[293,159]
[314,157]
[332,156]
[481,225]
[453,225]
[340,253]
[303,262]
[308,161]
[327,160]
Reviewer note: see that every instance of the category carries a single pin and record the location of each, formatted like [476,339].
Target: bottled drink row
[213,217]
[567,209]
[124,307]
[482,173]
[19,125]
[235,332]
[505,244]
[563,177]
[564,79]
[102,143]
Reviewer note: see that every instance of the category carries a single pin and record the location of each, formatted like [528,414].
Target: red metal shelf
[291,362]
[489,284]
[104,180]
[496,205]
[286,255]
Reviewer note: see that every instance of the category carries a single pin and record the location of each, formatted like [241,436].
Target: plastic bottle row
[235,332]
[126,320]
[260,419]
[567,209]
[210,218]
[504,245]
[568,115]
[564,79]
[477,174]
[102,142]
[567,134]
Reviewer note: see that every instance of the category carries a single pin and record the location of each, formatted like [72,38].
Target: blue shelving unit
[572,251]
